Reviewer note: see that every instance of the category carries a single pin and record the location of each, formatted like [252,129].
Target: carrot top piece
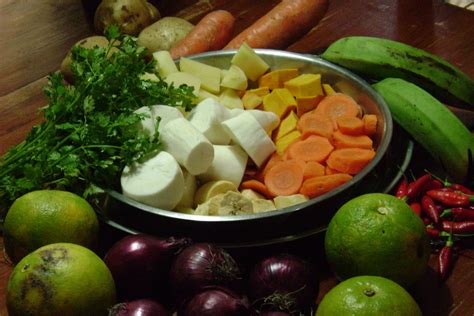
[337,105]
[350,160]
[317,186]
[284,178]
[313,123]
[350,125]
[313,148]
[341,140]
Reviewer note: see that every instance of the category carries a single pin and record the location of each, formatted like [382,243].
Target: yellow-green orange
[44,217]
[368,296]
[60,279]
[377,234]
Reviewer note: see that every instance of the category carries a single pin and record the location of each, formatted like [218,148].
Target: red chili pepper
[445,259]
[414,188]
[459,214]
[465,227]
[426,220]
[402,189]
[416,207]
[430,208]
[461,188]
[450,198]
[431,184]
[433,232]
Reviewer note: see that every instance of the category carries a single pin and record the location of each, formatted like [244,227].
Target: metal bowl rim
[388,128]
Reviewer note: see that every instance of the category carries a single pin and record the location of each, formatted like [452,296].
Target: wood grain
[35,36]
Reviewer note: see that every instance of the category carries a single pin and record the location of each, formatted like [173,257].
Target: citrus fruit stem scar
[383,210]
[369,292]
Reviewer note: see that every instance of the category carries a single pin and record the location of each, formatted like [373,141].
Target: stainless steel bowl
[285,224]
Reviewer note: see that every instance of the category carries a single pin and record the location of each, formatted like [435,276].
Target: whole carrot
[211,33]
[282,25]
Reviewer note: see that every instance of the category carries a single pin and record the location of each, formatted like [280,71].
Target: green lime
[377,234]
[367,296]
[60,279]
[44,217]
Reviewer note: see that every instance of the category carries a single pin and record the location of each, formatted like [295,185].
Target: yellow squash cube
[252,65]
[276,78]
[279,101]
[287,125]
[286,140]
[305,85]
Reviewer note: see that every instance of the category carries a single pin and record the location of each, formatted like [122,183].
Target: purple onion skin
[201,265]
[142,307]
[215,301]
[140,264]
[284,274]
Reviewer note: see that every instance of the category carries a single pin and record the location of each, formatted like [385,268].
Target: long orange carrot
[284,178]
[313,148]
[213,32]
[317,186]
[282,25]
[349,160]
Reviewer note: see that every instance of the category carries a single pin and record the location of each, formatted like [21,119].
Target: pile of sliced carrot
[334,144]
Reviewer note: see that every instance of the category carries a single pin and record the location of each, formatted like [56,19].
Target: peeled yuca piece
[157,182]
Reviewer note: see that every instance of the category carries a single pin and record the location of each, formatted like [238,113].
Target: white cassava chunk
[189,190]
[188,145]
[166,114]
[246,131]
[207,117]
[146,124]
[157,182]
[268,120]
[228,164]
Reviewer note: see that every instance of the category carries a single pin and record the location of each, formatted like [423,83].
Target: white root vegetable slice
[147,123]
[246,131]
[228,164]
[268,120]
[189,190]
[207,117]
[156,182]
[166,113]
[188,145]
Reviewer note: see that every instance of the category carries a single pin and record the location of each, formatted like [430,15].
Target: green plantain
[379,58]
[431,124]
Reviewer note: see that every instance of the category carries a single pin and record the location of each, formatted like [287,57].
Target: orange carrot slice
[350,160]
[317,186]
[313,148]
[341,140]
[256,186]
[312,123]
[337,105]
[274,158]
[350,125]
[328,171]
[284,178]
[370,124]
[313,169]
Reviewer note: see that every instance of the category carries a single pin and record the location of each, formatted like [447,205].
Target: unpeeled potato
[164,34]
[132,16]
[88,42]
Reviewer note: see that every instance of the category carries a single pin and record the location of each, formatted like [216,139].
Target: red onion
[143,307]
[283,283]
[140,264]
[215,301]
[200,265]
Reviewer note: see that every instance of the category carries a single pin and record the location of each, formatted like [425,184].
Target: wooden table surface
[35,36]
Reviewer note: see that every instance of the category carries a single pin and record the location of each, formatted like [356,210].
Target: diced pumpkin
[287,125]
[282,143]
[307,104]
[251,100]
[276,78]
[328,90]
[279,101]
[305,85]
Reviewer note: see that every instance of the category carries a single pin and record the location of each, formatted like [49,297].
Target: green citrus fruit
[60,279]
[44,217]
[377,234]
[367,296]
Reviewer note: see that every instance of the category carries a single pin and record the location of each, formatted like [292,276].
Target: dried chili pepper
[430,208]
[459,214]
[445,259]
[416,207]
[450,198]
[414,188]
[465,227]
[461,188]
[402,190]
